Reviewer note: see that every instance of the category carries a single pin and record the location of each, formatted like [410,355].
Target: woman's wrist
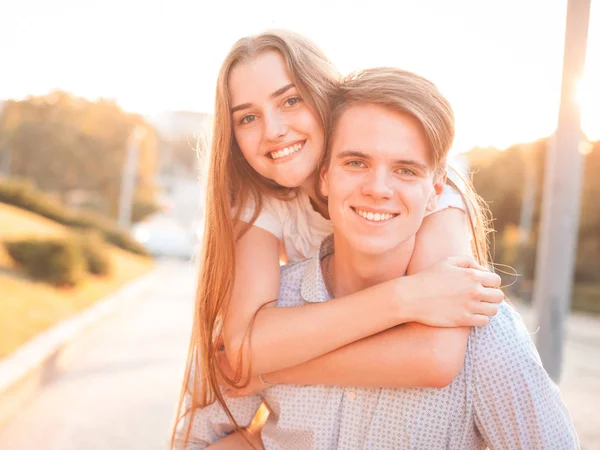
[267,383]
[404,294]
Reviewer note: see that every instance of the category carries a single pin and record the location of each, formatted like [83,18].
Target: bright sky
[499,62]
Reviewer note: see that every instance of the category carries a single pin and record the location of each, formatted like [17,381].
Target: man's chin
[373,247]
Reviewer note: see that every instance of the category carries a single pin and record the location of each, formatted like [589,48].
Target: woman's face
[278,133]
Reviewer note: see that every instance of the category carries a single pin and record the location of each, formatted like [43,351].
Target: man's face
[380,179]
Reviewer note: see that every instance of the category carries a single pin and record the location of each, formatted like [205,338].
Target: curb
[25,372]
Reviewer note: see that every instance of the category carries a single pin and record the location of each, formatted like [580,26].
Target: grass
[28,307]
[586,297]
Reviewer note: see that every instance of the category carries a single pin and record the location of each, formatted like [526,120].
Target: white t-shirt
[302,229]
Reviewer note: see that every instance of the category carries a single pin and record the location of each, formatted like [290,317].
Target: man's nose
[377,184]
[275,125]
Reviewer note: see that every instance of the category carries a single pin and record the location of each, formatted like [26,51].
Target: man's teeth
[286,151]
[375,217]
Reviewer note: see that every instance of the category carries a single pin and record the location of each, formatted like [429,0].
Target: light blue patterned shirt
[502,399]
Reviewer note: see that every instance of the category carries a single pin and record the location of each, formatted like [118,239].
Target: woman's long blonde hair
[231,184]
[409,93]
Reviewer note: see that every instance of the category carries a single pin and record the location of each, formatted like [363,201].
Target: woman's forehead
[257,79]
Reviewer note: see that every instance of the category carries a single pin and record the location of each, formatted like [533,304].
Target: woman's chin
[291,180]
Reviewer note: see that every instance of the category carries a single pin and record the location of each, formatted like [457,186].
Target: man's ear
[324,185]
[438,187]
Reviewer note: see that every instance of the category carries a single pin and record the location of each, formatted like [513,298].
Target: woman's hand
[455,292]
[255,385]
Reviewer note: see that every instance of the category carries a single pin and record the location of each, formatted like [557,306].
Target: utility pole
[526,218]
[5,153]
[561,201]
[128,177]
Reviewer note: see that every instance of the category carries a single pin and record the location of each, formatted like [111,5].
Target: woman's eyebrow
[275,94]
[283,89]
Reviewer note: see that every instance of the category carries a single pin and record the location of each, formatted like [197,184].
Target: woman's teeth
[375,217]
[286,151]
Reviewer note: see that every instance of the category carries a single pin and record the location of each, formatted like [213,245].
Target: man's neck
[350,271]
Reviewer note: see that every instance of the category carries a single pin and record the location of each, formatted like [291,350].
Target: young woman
[271,115]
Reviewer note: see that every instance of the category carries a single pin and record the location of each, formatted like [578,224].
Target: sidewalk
[580,380]
[115,387]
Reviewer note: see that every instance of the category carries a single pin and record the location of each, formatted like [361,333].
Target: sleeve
[268,219]
[516,404]
[450,198]
[209,424]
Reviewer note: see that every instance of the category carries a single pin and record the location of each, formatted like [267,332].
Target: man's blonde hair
[408,93]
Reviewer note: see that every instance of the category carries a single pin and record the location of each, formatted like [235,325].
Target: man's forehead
[377,132]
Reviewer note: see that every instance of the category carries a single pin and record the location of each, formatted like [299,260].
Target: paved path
[580,380]
[116,388]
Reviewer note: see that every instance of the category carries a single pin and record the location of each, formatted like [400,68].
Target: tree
[500,177]
[66,144]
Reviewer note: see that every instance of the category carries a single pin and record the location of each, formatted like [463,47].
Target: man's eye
[355,164]
[406,171]
[293,101]
[247,119]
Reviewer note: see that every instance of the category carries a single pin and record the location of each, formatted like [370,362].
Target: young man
[391,132]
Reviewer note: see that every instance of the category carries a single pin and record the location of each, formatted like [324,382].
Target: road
[116,387]
[580,380]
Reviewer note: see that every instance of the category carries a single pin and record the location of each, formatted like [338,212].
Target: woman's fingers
[219,342]
[489,279]
[485,309]
[467,262]
[490,295]
[479,320]
[225,368]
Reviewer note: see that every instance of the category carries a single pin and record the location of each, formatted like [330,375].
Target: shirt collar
[313,286]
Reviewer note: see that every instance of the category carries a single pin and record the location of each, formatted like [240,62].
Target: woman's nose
[275,126]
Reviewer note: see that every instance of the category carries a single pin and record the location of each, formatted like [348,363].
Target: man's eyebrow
[352,153]
[411,163]
[275,94]
[398,162]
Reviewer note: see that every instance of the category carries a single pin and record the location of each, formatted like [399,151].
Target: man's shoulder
[504,327]
[505,338]
[292,276]
[294,272]
[294,267]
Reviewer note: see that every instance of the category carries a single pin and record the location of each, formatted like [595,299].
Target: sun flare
[588,99]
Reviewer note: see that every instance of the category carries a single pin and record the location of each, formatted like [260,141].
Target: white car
[163,236]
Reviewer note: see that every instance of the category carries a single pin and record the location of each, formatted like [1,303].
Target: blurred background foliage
[71,152]
[75,149]
[505,179]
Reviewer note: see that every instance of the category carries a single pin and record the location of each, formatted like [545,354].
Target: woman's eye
[247,119]
[292,101]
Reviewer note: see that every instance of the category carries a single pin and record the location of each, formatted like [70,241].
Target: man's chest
[345,417]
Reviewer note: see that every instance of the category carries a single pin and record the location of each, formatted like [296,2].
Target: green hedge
[95,253]
[61,261]
[57,261]
[586,297]
[24,195]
